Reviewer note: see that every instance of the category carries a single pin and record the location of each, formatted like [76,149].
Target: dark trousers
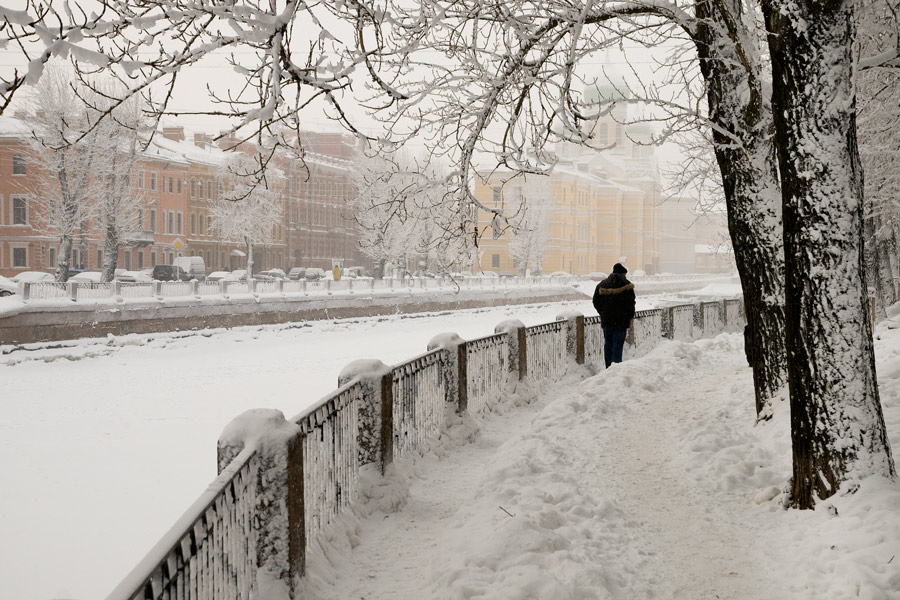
[613,343]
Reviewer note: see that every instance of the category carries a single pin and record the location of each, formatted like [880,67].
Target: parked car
[134,276]
[596,276]
[170,273]
[193,266]
[314,273]
[8,287]
[560,274]
[87,277]
[33,276]
[270,275]
[218,276]
[237,275]
[354,272]
[297,273]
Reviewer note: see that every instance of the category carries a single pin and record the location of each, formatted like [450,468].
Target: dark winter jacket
[614,301]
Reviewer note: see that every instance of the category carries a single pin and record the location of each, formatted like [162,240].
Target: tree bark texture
[837,426]
[110,248]
[745,151]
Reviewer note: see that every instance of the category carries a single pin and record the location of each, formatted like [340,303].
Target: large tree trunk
[110,249]
[837,427]
[745,153]
[63,258]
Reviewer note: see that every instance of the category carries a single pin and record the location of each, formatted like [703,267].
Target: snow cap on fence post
[516,340]
[279,543]
[454,368]
[574,334]
[375,438]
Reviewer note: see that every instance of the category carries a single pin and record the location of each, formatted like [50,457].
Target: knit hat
[618,268]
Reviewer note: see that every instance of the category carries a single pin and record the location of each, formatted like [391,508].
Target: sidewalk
[614,487]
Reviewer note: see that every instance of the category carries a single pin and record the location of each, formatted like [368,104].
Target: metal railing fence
[215,550]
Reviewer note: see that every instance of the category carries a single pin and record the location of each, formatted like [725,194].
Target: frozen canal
[105,444]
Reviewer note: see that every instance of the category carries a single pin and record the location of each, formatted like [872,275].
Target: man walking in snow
[614,301]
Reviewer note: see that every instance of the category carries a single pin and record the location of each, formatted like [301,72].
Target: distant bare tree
[247,211]
[65,149]
[529,240]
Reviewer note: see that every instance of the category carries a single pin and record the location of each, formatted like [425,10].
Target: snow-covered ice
[649,480]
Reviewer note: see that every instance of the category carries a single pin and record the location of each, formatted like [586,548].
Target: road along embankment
[24,322]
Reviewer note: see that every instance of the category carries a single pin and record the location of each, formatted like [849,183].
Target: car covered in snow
[270,275]
[33,277]
[133,276]
[87,277]
[314,273]
[8,287]
[218,275]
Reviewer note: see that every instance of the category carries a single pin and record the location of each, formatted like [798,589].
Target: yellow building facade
[598,206]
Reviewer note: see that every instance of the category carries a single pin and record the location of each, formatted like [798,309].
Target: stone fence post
[278,509]
[516,339]
[574,334]
[375,438]
[454,368]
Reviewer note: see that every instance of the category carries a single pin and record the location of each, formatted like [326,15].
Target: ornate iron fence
[207,553]
[214,552]
[593,343]
[419,398]
[330,450]
[486,371]
[546,350]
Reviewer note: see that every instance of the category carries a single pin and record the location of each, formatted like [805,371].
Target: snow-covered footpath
[649,480]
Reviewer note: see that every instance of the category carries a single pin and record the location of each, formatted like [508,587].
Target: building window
[200,189]
[153,220]
[179,223]
[140,180]
[52,258]
[179,186]
[20,211]
[99,258]
[20,258]
[18,164]
[193,224]
[497,195]
[153,259]
[193,188]
[140,256]
[202,225]
[170,185]
[171,222]
[127,260]
[153,182]
[495,261]
[209,223]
